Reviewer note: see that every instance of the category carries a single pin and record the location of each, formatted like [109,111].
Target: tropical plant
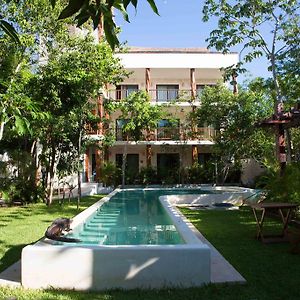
[110,174]
[283,188]
[235,118]
[68,84]
[148,175]
[200,173]
[141,118]
[260,28]
[101,13]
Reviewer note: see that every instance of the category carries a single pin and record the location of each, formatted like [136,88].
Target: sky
[179,25]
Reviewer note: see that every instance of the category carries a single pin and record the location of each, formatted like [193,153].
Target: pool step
[101,224]
[107,216]
[92,234]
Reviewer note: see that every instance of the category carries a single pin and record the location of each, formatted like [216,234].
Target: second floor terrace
[166,134]
[163,93]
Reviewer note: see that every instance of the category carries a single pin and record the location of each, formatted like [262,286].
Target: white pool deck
[221,271]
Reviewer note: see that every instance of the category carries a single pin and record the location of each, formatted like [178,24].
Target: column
[193,84]
[148,80]
[193,96]
[148,155]
[100,113]
[86,164]
[194,154]
[235,84]
[100,29]
[98,164]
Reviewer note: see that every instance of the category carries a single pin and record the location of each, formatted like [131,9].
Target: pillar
[98,164]
[193,97]
[193,84]
[148,155]
[148,80]
[100,113]
[100,29]
[194,154]
[235,84]
[86,165]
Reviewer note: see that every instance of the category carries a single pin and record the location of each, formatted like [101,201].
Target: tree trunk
[2,130]
[124,164]
[78,169]
[51,178]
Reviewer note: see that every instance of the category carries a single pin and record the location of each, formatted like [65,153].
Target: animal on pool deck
[55,231]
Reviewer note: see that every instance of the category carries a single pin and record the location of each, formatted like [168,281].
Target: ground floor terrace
[163,162]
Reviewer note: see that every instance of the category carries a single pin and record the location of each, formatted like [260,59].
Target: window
[204,158]
[120,135]
[168,129]
[168,123]
[125,90]
[166,92]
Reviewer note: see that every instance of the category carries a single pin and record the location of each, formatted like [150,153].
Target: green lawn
[270,270]
[20,226]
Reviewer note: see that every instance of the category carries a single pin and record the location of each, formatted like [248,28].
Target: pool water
[132,217]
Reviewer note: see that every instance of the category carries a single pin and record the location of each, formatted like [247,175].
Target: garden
[271,271]
[50,84]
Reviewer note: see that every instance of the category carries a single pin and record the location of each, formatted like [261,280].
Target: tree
[68,85]
[101,13]
[250,24]
[18,60]
[235,118]
[140,119]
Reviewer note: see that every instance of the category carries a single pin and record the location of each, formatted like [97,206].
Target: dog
[55,231]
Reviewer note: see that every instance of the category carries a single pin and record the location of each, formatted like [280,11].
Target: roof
[133,49]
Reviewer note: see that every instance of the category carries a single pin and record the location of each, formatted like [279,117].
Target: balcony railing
[169,133]
[158,95]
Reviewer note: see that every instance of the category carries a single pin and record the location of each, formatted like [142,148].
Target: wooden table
[284,210]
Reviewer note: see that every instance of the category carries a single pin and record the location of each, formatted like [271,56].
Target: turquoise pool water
[132,217]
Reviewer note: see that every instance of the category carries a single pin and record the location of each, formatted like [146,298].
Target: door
[168,165]
[132,167]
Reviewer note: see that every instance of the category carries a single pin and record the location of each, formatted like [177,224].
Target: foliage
[19,182]
[110,175]
[148,175]
[200,173]
[36,32]
[139,114]
[282,188]
[140,118]
[68,84]
[100,12]
[250,24]
[235,117]
[26,224]
[295,133]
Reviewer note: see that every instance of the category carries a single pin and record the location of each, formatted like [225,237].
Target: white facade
[167,74]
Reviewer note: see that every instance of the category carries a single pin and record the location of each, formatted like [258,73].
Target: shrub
[110,174]
[199,173]
[148,175]
[284,188]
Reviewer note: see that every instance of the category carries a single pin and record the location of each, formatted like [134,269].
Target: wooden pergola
[280,122]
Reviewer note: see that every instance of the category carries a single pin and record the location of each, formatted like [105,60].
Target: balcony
[170,133]
[159,95]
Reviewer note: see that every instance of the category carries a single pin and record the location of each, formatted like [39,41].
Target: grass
[20,226]
[270,270]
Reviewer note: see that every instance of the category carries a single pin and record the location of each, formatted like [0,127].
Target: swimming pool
[134,238]
[131,218]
